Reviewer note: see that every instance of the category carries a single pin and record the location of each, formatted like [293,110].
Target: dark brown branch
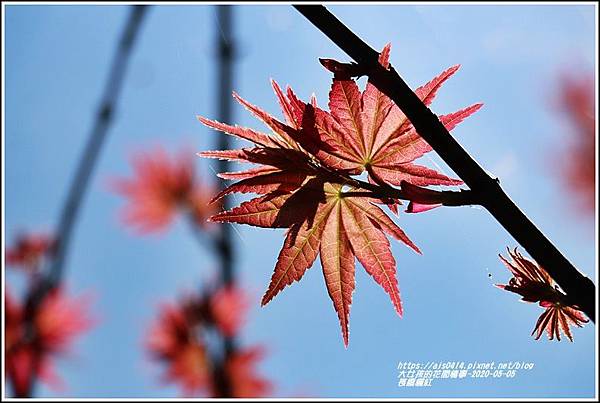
[224,247]
[226,51]
[579,288]
[72,206]
[96,140]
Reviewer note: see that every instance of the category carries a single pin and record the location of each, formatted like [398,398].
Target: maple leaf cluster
[33,340]
[162,186]
[534,284]
[306,176]
[178,338]
[33,344]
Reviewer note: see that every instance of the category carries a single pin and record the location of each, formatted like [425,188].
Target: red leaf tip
[265,299]
[419,208]
[274,84]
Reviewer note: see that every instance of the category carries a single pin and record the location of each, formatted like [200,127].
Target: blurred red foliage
[576,101]
[32,344]
[240,369]
[162,186]
[29,250]
[228,307]
[173,340]
[178,339]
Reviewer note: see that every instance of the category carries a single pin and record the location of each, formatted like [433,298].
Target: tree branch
[579,288]
[223,245]
[78,188]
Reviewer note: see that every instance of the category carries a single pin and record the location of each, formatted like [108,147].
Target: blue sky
[57,60]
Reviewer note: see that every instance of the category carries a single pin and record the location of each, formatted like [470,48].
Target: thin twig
[224,247]
[579,288]
[79,185]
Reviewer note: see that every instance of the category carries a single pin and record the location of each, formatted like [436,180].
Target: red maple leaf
[304,177]
[32,351]
[161,187]
[534,284]
[371,133]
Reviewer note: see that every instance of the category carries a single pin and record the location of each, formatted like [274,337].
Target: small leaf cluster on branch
[163,186]
[534,284]
[308,178]
[179,337]
[29,251]
[190,338]
[35,339]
